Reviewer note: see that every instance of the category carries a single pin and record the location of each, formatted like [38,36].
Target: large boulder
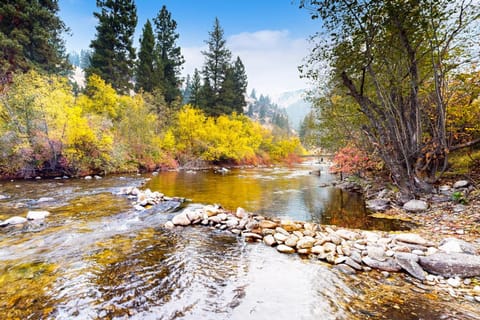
[388,265]
[452,264]
[415,206]
[450,245]
[409,263]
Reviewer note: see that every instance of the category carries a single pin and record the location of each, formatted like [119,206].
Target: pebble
[269,240]
[454,282]
[285,249]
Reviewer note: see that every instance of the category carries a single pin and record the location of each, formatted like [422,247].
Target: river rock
[345,269]
[318,250]
[169,225]
[378,204]
[376,252]
[290,226]
[452,264]
[409,263]
[352,263]
[285,249]
[280,237]
[412,238]
[282,231]
[346,234]
[305,243]
[45,199]
[193,215]
[450,245]
[252,236]
[267,224]
[13,221]
[269,240]
[181,219]
[231,222]
[461,184]
[241,213]
[415,206]
[329,247]
[388,265]
[291,240]
[37,215]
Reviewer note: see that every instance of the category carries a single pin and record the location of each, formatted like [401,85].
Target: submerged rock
[37,215]
[13,221]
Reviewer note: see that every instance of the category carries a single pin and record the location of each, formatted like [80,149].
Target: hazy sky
[270,36]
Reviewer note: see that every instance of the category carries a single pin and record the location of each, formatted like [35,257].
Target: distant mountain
[294,104]
[265,111]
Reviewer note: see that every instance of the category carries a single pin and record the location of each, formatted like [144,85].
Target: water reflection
[275,192]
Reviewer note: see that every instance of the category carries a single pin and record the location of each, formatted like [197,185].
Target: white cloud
[271,59]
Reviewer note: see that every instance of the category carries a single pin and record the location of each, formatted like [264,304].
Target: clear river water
[95,257]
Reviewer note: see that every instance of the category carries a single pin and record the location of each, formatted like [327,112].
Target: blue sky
[270,36]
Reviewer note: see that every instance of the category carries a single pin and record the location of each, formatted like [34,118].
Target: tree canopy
[395,59]
[31,36]
[113,52]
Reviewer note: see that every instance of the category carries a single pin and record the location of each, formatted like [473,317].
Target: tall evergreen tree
[240,85]
[169,55]
[187,91]
[195,89]
[146,60]
[217,60]
[113,53]
[31,36]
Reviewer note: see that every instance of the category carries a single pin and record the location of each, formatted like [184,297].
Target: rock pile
[349,250]
[142,199]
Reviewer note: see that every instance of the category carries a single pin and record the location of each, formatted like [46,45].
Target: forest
[396,89]
[134,113]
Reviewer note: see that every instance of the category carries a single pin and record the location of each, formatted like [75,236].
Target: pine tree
[113,53]
[146,60]
[240,85]
[227,96]
[187,91]
[217,61]
[31,36]
[195,89]
[169,55]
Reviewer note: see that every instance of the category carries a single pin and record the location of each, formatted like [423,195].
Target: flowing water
[95,257]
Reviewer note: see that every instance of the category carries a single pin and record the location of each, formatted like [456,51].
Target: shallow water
[96,258]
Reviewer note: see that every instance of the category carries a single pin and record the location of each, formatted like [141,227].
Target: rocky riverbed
[449,264]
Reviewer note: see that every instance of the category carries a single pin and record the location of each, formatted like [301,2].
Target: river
[95,257]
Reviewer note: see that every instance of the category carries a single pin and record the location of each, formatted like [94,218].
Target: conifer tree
[195,89]
[217,61]
[240,85]
[146,60]
[113,53]
[31,36]
[169,55]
